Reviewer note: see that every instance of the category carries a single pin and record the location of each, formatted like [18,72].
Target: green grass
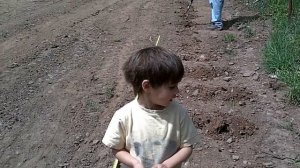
[229,38]
[282,51]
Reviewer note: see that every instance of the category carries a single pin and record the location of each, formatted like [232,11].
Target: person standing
[153,130]
[216,14]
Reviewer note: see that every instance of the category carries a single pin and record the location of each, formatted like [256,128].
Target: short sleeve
[115,134]
[188,133]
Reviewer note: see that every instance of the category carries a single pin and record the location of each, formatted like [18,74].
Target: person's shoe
[214,26]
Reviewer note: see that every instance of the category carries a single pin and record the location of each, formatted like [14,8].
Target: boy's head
[155,64]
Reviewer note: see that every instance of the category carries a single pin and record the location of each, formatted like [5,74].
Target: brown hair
[155,64]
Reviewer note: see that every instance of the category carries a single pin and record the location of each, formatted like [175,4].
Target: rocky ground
[61,81]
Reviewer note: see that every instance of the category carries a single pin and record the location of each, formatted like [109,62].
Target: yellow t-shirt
[151,136]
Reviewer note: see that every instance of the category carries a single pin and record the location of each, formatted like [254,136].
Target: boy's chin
[167,103]
[162,106]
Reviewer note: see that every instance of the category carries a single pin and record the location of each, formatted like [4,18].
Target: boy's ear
[146,85]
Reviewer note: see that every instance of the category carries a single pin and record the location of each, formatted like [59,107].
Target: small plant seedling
[91,105]
[229,38]
[249,32]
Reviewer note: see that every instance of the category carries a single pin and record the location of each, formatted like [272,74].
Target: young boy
[153,130]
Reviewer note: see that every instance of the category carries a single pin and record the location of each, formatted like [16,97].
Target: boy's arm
[123,156]
[180,156]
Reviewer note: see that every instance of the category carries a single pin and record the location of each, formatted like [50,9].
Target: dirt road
[61,81]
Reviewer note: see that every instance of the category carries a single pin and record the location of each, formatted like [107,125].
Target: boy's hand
[159,166]
[123,156]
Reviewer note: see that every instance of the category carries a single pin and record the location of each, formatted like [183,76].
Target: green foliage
[281,53]
[229,38]
[297,163]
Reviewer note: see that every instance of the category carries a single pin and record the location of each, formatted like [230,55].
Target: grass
[229,38]
[281,53]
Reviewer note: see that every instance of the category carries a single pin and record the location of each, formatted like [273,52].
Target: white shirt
[151,136]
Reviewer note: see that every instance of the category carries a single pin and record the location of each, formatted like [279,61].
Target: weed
[91,106]
[229,52]
[110,91]
[248,32]
[296,162]
[229,38]
[289,125]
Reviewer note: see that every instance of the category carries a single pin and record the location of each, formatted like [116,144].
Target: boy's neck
[145,101]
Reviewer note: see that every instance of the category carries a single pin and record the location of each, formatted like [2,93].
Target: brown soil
[61,81]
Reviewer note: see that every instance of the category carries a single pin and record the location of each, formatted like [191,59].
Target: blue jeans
[216,12]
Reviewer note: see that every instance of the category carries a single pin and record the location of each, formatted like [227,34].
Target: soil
[61,81]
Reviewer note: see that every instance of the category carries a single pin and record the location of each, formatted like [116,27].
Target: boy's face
[161,96]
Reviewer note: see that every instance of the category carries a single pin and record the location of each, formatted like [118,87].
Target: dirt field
[61,81]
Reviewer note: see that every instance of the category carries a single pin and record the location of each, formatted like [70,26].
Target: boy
[153,130]
[216,14]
